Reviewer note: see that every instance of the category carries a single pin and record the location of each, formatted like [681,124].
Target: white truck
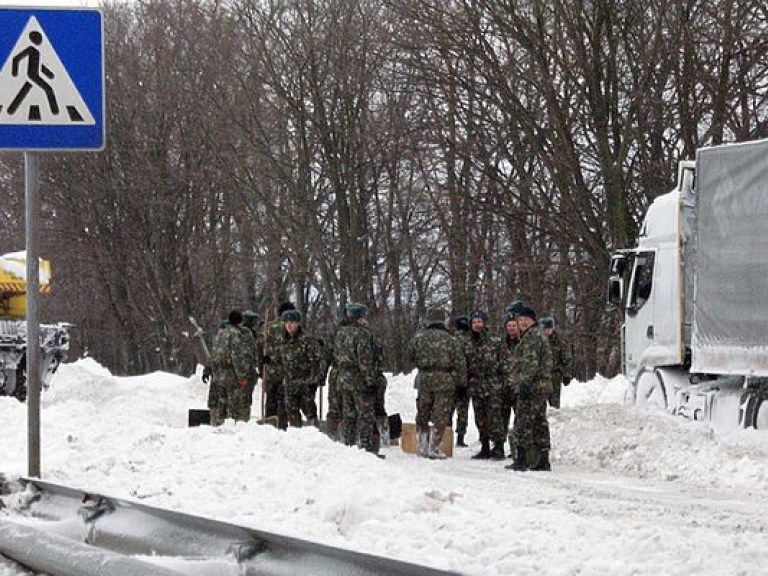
[695,292]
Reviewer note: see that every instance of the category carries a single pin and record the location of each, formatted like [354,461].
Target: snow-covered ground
[633,492]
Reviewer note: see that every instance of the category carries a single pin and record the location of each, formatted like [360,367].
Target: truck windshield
[642,282]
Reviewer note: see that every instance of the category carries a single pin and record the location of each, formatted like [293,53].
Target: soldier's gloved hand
[566,380]
[206,374]
[523,390]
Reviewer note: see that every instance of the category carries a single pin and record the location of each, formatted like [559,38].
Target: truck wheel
[650,390]
[757,413]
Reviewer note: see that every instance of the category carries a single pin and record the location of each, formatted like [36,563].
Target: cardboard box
[410,440]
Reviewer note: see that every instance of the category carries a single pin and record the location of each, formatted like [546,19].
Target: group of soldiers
[293,365]
[516,375]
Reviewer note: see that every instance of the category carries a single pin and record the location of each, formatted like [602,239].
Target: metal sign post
[34,369]
[51,99]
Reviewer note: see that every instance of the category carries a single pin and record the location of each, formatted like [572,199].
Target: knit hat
[235,318]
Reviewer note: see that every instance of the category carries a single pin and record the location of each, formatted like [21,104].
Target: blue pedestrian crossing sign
[51,79]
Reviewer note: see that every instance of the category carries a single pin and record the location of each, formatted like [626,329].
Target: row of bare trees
[403,153]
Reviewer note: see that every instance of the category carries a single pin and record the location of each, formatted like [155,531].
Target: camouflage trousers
[229,402]
[531,426]
[462,410]
[274,397]
[557,385]
[434,405]
[489,417]
[380,412]
[335,407]
[507,413]
[359,420]
[300,399]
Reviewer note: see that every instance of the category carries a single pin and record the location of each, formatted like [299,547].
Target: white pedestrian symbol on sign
[41,90]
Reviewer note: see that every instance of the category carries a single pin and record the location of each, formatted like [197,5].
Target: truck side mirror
[615,290]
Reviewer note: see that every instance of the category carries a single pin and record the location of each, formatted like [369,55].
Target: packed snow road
[632,492]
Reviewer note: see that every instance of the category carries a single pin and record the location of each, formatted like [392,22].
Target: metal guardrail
[66,531]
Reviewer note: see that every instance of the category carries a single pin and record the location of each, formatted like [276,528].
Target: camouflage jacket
[233,358]
[533,362]
[562,359]
[325,346]
[440,359]
[506,355]
[299,358]
[271,350]
[482,363]
[354,354]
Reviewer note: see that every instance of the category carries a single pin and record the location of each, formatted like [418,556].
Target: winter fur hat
[461,323]
[527,312]
[291,316]
[285,306]
[478,314]
[514,307]
[434,315]
[235,318]
[547,322]
[355,310]
[251,318]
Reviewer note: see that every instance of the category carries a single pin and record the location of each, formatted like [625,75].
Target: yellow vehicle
[54,338]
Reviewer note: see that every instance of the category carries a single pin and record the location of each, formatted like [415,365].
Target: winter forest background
[401,153]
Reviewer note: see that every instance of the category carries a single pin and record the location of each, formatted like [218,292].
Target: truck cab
[649,283]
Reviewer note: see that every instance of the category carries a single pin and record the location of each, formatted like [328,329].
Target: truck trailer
[694,292]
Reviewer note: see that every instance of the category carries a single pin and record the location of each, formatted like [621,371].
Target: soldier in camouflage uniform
[335,397]
[215,391]
[441,363]
[461,331]
[272,379]
[485,387]
[299,360]
[562,360]
[381,430]
[506,354]
[251,322]
[533,363]
[354,355]
[233,368]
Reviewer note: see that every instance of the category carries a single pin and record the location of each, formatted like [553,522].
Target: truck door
[639,318]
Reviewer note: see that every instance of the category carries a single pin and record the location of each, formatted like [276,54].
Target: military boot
[423,444]
[383,427]
[460,441]
[434,446]
[497,453]
[485,451]
[520,464]
[542,464]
